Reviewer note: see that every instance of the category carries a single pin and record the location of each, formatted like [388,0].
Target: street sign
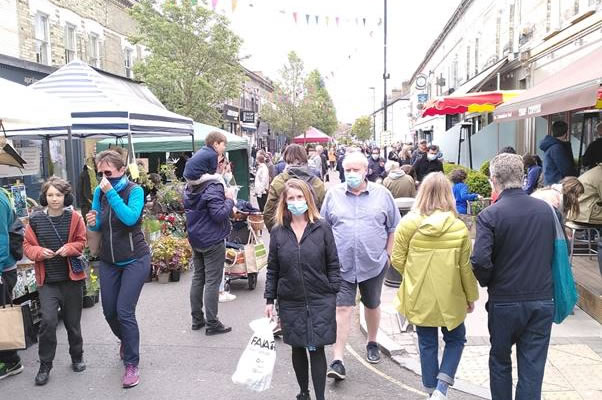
[423,97]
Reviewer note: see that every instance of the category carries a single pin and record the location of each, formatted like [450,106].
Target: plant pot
[174,276]
[88,301]
[163,277]
[96,298]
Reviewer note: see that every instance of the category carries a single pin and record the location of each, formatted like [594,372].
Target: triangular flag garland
[307,18]
[214,3]
[337,19]
[364,19]
[295,16]
[317,19]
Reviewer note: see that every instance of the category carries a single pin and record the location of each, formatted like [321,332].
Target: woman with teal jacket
[124,255]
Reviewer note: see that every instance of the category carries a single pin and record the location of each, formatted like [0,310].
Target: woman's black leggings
[318,369]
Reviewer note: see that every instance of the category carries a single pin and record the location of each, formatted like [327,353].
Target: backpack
[16,234]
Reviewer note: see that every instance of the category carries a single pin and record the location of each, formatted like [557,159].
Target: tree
[362,128]
[323,112]
[193,65]
[289,113]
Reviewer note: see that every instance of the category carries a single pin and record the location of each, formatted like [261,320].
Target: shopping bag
[565,291]
[256,254]
[256,365]
[12,330]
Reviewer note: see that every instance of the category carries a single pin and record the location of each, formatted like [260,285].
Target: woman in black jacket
[303,275]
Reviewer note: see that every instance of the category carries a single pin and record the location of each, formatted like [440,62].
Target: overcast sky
[348,55]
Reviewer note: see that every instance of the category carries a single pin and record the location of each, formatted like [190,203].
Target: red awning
[472,102]
[312,135]
[574,87]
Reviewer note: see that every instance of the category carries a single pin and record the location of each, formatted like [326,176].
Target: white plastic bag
[256,364]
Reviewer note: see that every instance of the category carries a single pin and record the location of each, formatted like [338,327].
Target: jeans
[120,288]
[68,296]
[9,280]
[428,344]
[527,324]
[206,279]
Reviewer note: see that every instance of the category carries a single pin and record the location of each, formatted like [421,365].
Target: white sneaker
[225,297]
[437,395]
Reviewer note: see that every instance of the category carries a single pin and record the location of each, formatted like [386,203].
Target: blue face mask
[297,207]
[353,179]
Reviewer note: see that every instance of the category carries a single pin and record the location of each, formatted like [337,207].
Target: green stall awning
[176,144]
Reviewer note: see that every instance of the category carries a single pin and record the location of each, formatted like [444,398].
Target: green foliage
[290,113]
[449,167]
[193,64]
[485,168]
[321,107]
[362,128]
[478,183]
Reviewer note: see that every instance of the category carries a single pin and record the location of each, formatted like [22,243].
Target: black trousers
[68,296]
[9,279]
[261,200]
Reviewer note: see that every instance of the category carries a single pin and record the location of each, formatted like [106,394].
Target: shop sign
[247,117]
[230,113]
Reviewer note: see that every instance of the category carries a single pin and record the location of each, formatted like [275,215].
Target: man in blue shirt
[363,217]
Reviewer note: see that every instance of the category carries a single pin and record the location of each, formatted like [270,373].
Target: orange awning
[472,102]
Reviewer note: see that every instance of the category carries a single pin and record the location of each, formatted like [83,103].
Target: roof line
[390,104]
[458,13]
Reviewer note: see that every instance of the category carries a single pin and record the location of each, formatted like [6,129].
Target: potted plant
[170,255]
[92,287]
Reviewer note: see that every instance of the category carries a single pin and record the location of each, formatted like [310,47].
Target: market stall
[312,135]
[237,149]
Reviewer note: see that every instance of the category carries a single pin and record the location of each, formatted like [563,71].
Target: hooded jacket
[305,277]
[207,212]
[557,160]
[277,186]
[432,253]
[400,184]
[7,217]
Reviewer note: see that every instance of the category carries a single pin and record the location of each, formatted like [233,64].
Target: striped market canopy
[101,108]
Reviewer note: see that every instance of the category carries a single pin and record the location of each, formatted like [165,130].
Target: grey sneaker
[336,370]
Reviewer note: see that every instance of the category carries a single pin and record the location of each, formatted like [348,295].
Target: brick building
[39,36]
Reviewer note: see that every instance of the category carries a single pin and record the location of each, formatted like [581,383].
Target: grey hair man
[512,257]
[363,217]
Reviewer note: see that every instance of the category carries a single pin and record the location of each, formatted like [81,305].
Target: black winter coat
[304,277]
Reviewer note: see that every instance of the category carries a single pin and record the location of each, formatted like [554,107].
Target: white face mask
[432,157]
[375,157]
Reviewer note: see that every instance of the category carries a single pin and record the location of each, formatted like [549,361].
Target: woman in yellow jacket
[432,253]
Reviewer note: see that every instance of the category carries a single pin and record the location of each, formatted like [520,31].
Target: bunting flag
[235,4]
[327,19]
[356,21]
[364,19]
[337,19]
[214,4]
[307,18]
[294,15]
[380,21]
[317,19]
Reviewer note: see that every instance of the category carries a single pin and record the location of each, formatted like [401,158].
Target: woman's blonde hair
[435,193]
[283,215]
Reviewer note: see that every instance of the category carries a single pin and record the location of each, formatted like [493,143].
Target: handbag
[565,291]
[256,255]
[79,263]
[12,330]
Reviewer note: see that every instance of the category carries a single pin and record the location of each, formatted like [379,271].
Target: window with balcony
[128,55]
[42,39]
[69,43]
[93,50]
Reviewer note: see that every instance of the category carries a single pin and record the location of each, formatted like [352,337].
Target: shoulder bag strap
[54,228]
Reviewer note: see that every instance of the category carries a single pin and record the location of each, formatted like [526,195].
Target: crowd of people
[326,243]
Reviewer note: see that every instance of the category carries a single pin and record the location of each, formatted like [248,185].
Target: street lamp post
[373,112]
[385,75]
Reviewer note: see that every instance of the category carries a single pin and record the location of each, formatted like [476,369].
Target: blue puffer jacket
[463,196]
[207,212]
[557,160]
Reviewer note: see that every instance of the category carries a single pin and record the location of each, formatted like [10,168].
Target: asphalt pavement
[178,363]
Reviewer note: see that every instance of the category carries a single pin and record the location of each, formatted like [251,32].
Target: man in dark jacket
[376,166]
[593,154]
[429,163]
[420,152]
[558,155]
[208,207]
[512,257]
